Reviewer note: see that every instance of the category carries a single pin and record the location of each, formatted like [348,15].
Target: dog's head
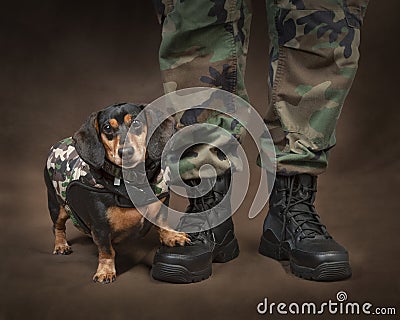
[118,134]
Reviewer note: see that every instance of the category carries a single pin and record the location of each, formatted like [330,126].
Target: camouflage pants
[313,60]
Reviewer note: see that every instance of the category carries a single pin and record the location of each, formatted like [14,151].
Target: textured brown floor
[61,61]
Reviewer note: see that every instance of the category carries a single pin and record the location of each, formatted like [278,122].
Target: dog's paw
[172,238]
[104,277]
[63,249]
[105,271]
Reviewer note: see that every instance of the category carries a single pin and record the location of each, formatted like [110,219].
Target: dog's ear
[160,136]
[88,144]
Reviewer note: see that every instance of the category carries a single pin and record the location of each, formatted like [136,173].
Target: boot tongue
[301,190]
[305,180]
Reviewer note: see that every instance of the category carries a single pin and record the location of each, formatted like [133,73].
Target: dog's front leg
[106,272]
[169,237]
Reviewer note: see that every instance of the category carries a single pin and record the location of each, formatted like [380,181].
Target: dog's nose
[125,152]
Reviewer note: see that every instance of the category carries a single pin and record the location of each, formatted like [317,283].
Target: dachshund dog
[84,180]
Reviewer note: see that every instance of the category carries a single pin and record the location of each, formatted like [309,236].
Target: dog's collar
[133,179]
[136,176]
[112,169]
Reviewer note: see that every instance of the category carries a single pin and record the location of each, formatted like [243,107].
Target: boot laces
[300,210]
[198,219]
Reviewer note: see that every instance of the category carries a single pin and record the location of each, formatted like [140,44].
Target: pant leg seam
[278,76]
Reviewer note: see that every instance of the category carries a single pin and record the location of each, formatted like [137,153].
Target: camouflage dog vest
[66,167]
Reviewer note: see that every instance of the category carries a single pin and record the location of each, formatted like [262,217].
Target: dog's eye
[107,128]
[136,123]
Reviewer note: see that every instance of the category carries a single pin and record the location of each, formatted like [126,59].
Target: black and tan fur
[106,135]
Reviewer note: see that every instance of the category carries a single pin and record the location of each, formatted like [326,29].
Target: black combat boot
[293,231]
[193,262]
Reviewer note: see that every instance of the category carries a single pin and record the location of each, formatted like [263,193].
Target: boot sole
[178,274]
[328,271]
[175,273]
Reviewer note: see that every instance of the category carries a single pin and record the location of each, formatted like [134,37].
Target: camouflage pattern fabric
[204,44]
[64,166]
[313,60]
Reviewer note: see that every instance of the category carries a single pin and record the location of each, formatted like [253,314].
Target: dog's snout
[125,152]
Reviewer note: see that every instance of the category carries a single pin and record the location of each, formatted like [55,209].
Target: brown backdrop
[61,60]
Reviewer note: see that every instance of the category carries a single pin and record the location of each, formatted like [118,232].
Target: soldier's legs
[313,61]
[204,44]
[314,56]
